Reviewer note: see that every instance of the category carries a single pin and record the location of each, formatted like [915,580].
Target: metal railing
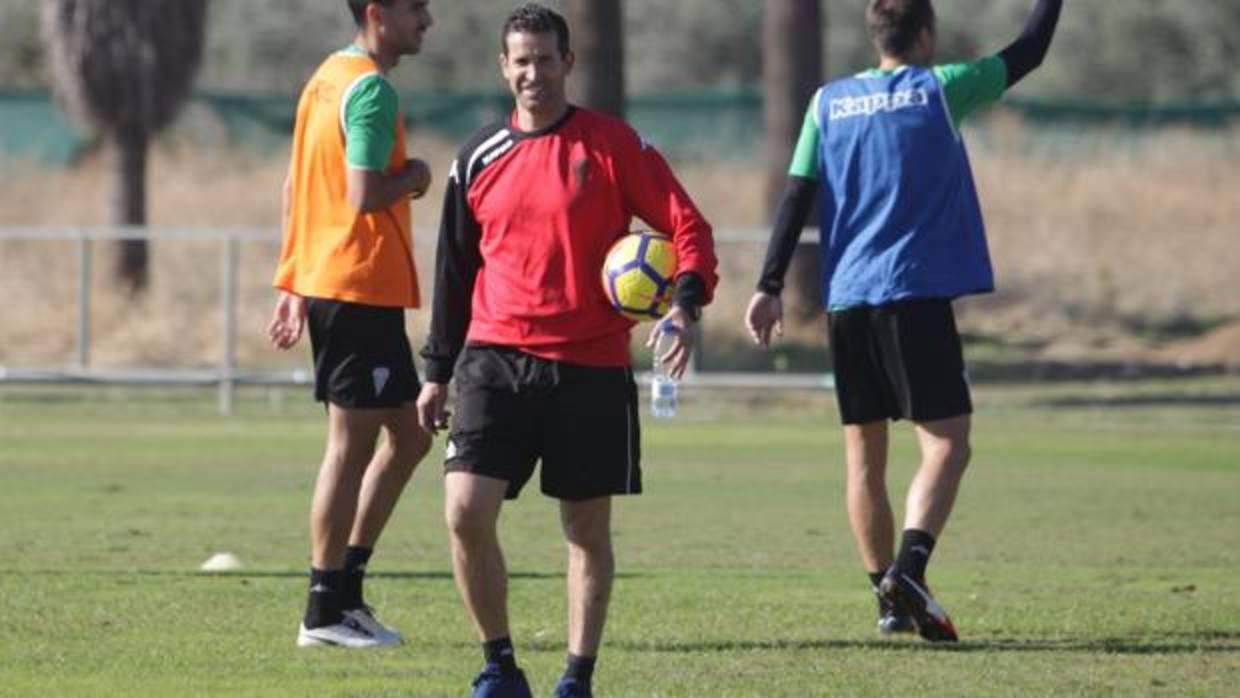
[226,375]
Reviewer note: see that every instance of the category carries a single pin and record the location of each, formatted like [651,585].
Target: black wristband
[690,294]
[770,287]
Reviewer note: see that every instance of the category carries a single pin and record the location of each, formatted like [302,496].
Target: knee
[954,454]
[406,451]
[468,524]
[867,475]
[415,447]
[342,466]
[412,449]
[336,455]
[594,552]
[345,455]
[590,536]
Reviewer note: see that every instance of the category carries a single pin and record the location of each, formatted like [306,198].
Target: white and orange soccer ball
[638,275]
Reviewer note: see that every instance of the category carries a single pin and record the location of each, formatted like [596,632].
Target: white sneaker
[365,617]
[346,633]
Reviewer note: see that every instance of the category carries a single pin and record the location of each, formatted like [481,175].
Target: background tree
[122,69]
[598,40]
[1101,51]
[791,71]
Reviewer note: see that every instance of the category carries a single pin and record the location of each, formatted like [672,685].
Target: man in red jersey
[541,359]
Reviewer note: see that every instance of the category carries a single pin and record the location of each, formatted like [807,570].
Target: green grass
[1094,551]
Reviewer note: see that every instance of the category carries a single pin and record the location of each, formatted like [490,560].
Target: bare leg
[351,435]
[869,510]
[403,447]
[591,569]
[945,454]
[471,509]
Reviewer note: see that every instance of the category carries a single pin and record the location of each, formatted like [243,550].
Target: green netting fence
[709,125]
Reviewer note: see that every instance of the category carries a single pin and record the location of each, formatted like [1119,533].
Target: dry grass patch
[1098,247]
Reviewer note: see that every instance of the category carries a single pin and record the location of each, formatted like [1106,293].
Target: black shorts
[900,360]
[362,357]
[513,409]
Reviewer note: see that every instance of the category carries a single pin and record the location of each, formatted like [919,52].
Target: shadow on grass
[281,574]
[1189,643]
[1164,400]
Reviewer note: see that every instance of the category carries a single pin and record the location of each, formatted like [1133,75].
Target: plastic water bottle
[662,385]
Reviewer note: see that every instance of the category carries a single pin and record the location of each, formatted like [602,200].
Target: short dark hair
[532,18]
[894,25]
[358,8]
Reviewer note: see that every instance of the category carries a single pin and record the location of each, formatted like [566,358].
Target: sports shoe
[365,617]
[909,597]
[891,621]
[347,633]
[572,688]
[492,683]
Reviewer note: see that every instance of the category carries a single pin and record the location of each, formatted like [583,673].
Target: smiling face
[536,72]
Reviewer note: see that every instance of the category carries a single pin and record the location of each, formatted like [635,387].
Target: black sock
[580,668]
[915,549]
[355,560]
[323,603]
[501,653]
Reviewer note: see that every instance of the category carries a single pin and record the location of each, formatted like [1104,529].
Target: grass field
[1095,551]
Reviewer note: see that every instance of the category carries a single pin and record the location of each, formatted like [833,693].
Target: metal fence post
[228,363]
[84,283]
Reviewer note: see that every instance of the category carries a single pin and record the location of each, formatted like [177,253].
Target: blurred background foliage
[1148,51]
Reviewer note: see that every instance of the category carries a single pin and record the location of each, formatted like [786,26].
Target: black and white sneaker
[365,617]
[347,633]
[911,598]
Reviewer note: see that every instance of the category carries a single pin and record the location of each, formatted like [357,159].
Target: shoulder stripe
[344,99]
[487,151]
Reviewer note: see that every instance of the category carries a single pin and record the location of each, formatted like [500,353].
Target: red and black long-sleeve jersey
[527,220]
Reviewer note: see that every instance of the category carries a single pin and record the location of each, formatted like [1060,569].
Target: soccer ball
[638,275]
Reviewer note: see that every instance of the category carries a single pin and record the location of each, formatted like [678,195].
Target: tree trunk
[598,37]
[791,71]
[127,151]
[122,69]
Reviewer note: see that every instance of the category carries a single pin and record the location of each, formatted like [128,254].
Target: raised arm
[1027,51]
